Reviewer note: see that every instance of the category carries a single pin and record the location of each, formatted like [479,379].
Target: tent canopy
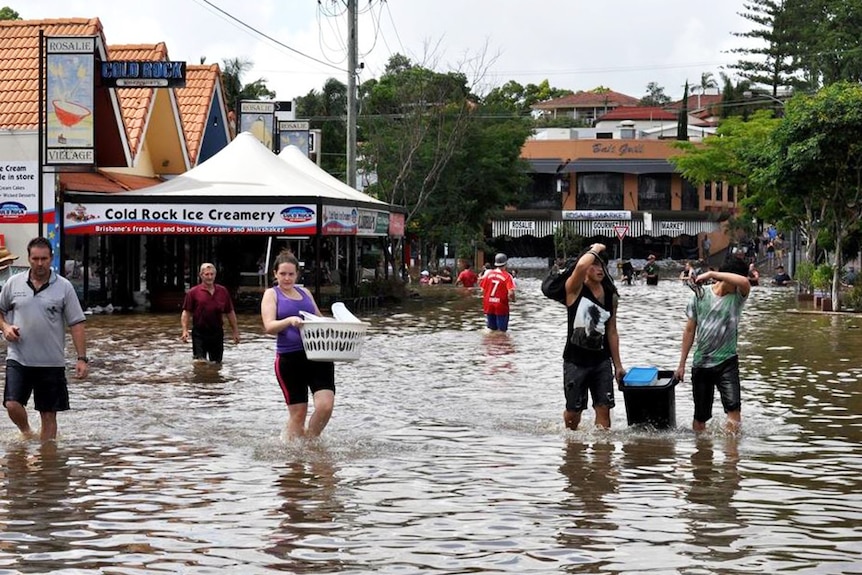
[245,168]
[245,189]
[299,161]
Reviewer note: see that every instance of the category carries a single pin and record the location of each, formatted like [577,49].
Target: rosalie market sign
[97,218]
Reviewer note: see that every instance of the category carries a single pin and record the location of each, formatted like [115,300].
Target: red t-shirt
[207,309]
[468,278]
[495,285]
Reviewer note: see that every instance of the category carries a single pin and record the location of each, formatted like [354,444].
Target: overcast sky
[576,45]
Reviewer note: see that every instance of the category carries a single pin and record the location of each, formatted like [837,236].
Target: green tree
[437,151]
[773,63]
[818,160]
[520,99]
[682,116]
[655,96]
[7,13]
[327,111]
[830,46]
[235,90]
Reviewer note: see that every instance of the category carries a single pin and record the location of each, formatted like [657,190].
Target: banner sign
[258,117]
[143,74]
[677,227]
[125,218]
[340,220]
[19,192]
[597,215]
[372,223]
[605,228]
[522,226]
[294,133]
[396,225]
[70,87]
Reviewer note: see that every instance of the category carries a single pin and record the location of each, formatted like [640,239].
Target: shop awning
[547,165]
[104,182]
[623,166]
[593,228]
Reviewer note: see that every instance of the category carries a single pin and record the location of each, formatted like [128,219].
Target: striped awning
[593,228]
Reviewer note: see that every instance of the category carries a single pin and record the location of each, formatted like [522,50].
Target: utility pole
[352,64]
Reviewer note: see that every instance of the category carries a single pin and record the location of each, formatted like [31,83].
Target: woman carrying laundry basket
[280,311]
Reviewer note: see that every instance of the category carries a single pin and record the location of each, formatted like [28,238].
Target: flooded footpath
[446,454]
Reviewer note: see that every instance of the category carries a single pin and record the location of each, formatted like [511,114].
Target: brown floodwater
[446,454]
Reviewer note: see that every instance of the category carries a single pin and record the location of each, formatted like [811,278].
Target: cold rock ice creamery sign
[95,218]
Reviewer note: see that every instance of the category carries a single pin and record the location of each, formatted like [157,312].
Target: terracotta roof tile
[135,102]
[194,103]
[104,182]
[590,99]
[19,65]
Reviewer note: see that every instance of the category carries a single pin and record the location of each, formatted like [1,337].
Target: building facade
[623,191]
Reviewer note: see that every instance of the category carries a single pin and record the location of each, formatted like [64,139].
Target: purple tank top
[289,338]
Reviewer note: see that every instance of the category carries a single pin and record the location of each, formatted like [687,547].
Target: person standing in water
[205,307]
[36,307]
[712,328]
[296,374]
[591,358]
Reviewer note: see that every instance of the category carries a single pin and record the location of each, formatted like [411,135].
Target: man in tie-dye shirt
[713,320]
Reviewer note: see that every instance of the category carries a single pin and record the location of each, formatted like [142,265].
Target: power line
[266,36]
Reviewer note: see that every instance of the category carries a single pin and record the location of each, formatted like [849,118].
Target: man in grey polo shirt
[35,308]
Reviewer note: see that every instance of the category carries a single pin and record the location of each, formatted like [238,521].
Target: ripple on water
[446,454]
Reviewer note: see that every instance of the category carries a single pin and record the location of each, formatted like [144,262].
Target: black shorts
[47,384]
[705,380]
[597,379]
[208,344]
[296,374]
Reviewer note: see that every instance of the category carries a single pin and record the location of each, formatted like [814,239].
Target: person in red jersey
[498,290]
[467,277]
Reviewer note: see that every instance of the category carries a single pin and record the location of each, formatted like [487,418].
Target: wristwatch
[84,358]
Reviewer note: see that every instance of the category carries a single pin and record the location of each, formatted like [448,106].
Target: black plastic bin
[653,405]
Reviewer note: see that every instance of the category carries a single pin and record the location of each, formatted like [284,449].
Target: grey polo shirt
[42,318]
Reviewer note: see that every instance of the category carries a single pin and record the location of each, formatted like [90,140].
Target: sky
[575,45]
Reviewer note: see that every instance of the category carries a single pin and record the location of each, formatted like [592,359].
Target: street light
[748,95]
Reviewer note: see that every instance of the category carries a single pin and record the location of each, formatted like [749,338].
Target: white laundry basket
[326,339]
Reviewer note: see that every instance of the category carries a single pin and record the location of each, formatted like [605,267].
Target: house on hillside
[648,122]
[584,107]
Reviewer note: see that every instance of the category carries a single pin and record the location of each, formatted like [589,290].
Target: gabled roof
[203,88]
[135,103]
[638,113]
[19,82]
[589,99]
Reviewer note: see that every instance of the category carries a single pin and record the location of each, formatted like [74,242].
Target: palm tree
[707,81]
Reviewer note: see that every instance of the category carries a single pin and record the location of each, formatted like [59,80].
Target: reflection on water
[446,454]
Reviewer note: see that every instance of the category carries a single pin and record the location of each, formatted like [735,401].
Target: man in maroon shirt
[205,305]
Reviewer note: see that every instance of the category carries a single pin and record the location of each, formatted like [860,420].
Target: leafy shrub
[821,279]
[853,298]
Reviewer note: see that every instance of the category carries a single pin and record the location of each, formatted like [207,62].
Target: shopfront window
[690,199]
[654,192]
[600,191]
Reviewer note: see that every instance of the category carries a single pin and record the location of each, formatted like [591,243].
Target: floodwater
[446,454]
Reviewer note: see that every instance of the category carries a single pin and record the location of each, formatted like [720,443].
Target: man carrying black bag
[591,358]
